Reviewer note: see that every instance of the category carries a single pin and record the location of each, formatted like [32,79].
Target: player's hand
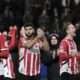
[15,27]
[10,28]
[5,33]
[22,31]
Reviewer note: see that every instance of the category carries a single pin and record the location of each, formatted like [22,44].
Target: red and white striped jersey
[8,67]
[29,59]
[67,63]
[3,51]
[8,63]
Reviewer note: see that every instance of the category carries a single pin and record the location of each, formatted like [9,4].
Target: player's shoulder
[23,37]
[1,35]
[65,41]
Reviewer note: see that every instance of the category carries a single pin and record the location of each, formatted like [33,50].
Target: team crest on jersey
[6,44]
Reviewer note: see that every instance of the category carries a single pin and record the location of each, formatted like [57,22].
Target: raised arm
[12,34]
[30,43]
[3,47]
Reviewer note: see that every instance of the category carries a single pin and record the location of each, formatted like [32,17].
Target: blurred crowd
[50,13]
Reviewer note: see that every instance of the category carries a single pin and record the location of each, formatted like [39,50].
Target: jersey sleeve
[13,39]
[23,41]
[64,47]
[3,43]
[4,52]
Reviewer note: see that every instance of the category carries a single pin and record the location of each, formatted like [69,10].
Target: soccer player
[4,52]
[29,52]
[69,57]
[8,63]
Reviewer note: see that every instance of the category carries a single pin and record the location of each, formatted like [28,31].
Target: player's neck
[69,37]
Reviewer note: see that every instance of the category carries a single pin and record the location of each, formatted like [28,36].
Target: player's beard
[29,34]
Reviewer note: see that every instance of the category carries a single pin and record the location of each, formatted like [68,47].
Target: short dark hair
[29,24]
[65,25]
